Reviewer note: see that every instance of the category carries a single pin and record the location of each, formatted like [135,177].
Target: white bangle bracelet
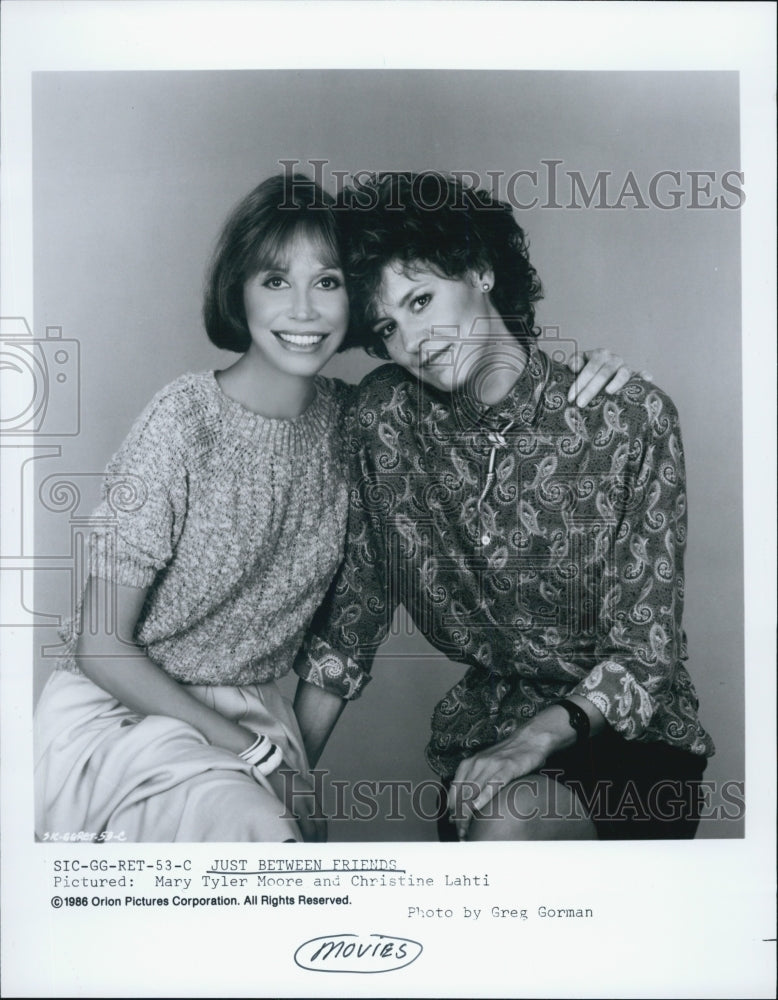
[271,761]
[263,754]
[257,749]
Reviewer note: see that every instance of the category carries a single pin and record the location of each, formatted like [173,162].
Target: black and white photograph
[387,453]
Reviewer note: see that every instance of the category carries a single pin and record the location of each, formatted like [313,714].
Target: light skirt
[105,773]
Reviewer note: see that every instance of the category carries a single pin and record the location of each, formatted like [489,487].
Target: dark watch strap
[579,720]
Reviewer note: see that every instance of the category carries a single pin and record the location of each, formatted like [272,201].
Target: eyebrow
[403,301]
[284,268]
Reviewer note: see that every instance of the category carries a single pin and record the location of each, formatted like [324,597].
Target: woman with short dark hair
[538,544]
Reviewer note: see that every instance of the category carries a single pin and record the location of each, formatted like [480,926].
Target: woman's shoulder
[387,397]
[384,386]
[177,409]
[335,389]
[337,400]
[639,406]
[384,377]
[642,406]
[192,389]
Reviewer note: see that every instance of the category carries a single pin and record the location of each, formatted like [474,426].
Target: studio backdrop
[628,187]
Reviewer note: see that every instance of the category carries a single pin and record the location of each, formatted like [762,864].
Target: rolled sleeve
[620,697]
[319,664]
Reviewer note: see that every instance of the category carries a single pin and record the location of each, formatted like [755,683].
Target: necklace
[496,439]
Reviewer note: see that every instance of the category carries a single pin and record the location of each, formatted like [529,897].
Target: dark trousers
[630,790]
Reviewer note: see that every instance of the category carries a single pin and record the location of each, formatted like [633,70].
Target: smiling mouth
[433,358]
[300,341]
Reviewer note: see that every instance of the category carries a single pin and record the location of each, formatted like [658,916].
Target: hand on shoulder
[599,370]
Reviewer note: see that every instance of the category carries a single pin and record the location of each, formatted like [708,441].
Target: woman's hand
[298,796]
[598,370]
[480,777]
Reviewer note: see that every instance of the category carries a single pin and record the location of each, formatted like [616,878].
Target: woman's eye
[274,282]
[421,301]
[330,283]
[386,331]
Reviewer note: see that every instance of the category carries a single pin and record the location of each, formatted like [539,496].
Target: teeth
[300,339]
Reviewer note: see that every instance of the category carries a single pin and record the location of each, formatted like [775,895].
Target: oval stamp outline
[353,939]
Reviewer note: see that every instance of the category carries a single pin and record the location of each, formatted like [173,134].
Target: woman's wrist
[262,754]
[553,728]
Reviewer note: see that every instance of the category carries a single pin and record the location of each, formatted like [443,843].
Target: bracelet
[579,720]
[256,751]
[263,755]
[271,762]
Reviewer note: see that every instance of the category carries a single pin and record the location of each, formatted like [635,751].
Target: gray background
[135,172]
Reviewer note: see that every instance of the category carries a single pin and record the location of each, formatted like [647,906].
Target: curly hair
[432,220]
[257,236]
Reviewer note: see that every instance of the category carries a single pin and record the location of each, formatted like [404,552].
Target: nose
[302,305]
[413,337]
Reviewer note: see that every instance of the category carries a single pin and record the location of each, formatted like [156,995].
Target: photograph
[261,526]
[378,461]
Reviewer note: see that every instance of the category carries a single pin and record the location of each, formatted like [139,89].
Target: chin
[440,384]
[307,368]
[301,364]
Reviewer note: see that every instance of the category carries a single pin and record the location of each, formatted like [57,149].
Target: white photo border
[699,924]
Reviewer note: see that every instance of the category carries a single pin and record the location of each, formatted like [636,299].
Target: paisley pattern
[560,574]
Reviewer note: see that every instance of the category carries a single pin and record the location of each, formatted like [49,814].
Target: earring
[486,286]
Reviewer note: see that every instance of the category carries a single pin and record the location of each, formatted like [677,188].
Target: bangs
[285,237]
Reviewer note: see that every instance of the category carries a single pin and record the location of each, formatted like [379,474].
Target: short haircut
[434,221]
[258,235]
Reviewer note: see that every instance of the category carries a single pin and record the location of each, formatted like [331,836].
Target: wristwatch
[579,720]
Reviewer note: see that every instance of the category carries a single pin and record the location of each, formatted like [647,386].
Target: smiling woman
[296,314]
[276,292]
[169,726]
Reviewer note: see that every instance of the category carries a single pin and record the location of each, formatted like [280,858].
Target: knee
[533,808]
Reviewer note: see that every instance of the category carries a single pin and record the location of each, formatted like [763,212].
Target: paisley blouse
[537,543]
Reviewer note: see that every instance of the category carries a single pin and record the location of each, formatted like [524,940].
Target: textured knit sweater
[561,574]
[235,523]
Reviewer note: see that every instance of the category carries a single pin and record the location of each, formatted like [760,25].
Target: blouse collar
[520,408]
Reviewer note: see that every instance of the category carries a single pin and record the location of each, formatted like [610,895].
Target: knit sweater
[235,522]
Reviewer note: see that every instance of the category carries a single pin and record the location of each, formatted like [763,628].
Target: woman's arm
[114,662]
[317,712]
[118,665]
